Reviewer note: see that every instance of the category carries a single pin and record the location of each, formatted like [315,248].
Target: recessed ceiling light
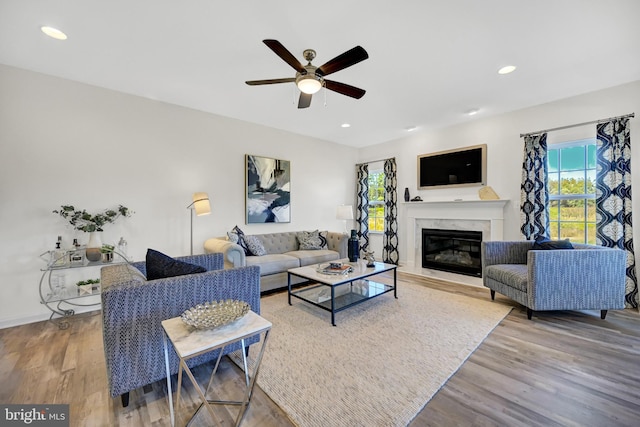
[345,125]
[410,128]
[507,69]
[473,112]
[54,33]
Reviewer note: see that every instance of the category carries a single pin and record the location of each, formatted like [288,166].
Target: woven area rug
[382,362]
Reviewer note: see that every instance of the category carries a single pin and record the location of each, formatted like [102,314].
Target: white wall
[63,142]
[505,148]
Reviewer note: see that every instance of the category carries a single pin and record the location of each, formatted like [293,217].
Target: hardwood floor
[559,369]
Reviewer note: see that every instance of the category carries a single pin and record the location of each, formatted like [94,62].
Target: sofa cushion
[254,245]
[513,274]
[273,263]
[543,243]
[311,240]
[160,266]
[314,256]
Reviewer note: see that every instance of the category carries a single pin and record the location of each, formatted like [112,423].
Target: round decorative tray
[215,313]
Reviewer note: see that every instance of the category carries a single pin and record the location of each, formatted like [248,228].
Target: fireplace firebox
[455,251]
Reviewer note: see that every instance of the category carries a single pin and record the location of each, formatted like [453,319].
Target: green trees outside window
[376,201]
[572,191]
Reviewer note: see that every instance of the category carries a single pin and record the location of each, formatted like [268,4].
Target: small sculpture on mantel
[369,257]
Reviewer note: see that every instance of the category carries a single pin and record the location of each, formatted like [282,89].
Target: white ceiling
[429,61]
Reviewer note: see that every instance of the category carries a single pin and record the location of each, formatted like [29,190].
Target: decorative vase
[353,247]
[406,194]
[93,247]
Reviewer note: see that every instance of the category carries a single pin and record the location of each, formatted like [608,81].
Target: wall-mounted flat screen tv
[453,168]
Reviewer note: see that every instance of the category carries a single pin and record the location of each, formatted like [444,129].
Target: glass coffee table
[334,290]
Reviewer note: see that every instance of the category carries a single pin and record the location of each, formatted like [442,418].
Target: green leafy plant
[88,282]
[105,249]
[81,220]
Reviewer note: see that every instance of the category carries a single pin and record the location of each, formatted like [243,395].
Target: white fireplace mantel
[474,215]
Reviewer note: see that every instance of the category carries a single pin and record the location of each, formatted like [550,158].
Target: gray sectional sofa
[282,253]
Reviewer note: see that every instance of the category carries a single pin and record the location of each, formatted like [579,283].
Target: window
[376,201]
[572,191]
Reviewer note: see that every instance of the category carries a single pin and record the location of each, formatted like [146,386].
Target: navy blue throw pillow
[543,243]
[160,266]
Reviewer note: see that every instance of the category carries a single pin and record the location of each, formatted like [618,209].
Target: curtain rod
[578,124]
[374,161]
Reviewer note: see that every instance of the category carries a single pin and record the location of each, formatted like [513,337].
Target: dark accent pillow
[241,241]
[160,266]
[543,243]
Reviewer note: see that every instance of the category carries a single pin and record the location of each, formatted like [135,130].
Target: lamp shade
[344,212]
[201,204]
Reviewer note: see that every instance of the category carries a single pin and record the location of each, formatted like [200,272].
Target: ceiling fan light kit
[309,78]
[309,84]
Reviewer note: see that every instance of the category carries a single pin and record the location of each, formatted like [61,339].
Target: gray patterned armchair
[132,309]
[587,277]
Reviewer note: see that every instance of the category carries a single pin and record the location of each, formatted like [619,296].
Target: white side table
[189,343]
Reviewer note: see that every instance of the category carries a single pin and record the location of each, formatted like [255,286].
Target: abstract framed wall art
[268,190]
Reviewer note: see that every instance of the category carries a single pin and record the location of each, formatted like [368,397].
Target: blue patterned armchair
[587,277]
[133,307]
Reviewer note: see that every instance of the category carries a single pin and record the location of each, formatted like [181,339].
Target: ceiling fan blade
[305,100]
[270,81]
[283,53]
[345,89]
[343,61]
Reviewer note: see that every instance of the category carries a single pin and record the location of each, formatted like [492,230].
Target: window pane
[591,156]
[572,182]
[591,181]
[572,158]
[591,234]
[573,231]
[572,210]
[553,229]
[552,160]
[552,183]
[591,210]
[553,210]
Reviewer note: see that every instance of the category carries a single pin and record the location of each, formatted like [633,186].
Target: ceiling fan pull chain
[324,86]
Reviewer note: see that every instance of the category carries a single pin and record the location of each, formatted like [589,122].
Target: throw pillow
[310,240]
[236,235]
[255,246]
[544,243]
[160,266]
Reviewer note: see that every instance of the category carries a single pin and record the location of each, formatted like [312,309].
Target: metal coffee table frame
[335,293]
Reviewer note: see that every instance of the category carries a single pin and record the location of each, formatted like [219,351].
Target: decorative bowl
[215,313]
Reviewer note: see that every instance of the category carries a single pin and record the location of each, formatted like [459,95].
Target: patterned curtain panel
[613,196]
[362,205]
[534,193]
[390,243]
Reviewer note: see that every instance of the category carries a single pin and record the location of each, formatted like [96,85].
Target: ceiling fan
[310,78]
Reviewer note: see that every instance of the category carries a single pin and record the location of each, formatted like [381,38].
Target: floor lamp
[202,206]
[345,213]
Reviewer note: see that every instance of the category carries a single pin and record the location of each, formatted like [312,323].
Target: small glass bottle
[58,255]
[122,248]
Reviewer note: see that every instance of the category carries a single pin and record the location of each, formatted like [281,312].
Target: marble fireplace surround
[486,216]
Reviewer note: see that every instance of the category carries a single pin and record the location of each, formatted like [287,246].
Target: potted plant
[86,286]
[107,252]
[82,220]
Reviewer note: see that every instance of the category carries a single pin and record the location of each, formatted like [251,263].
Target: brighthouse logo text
[42,415]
